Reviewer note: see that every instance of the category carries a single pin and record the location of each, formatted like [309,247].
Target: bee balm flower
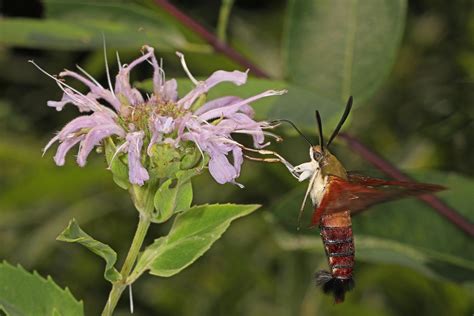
[138,123]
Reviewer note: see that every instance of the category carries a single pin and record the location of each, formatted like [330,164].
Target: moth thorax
[319,186]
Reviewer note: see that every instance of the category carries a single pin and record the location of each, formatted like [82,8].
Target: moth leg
[310,186]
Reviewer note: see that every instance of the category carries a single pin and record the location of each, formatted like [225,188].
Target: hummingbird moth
[336,194]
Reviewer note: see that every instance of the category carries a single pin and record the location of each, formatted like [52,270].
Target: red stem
[211,38]
[382,164]
[390,170]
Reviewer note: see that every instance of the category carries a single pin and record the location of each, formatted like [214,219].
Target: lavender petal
[136,173]
[235,107]
[97,90]
[64,147]
[222,103]
[94,137]
[236,77]
[122,80]
[85,122]
[170,90]
[220,168]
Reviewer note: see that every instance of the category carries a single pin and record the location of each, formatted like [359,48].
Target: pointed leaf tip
[73,233]
[192,234]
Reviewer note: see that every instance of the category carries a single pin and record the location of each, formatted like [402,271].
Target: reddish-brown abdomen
[336,233]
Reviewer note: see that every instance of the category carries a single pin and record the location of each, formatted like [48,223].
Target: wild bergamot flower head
[138,124]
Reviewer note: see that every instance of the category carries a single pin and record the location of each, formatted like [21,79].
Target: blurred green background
[410,67]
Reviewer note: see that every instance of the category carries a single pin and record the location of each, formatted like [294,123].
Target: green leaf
[24,293]
[192,234]
[117,166]
[339,48]
[165,160]
[73,233]
[80,25]
[174,195]
[405,232]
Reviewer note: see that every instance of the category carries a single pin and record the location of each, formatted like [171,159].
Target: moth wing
[360,192]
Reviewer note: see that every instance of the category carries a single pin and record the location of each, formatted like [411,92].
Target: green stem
[223,20]
[119,286]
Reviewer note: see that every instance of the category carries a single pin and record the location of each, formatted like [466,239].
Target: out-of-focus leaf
[41,178]
[81,24]
[73,233]
[406,232]
[24,293]
[86,210]
[335,49]
[192,234]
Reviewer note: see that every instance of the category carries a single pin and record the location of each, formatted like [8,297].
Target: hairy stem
[119,286]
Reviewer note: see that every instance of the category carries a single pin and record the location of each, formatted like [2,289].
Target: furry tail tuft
[336,287]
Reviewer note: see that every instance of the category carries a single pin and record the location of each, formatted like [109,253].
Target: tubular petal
[136,173]
[94,137]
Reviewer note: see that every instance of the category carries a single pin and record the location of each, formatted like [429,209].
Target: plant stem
[119,286]
[222,23]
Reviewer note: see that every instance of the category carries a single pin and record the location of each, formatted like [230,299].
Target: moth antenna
[341,121]
[296,128]
[320,130]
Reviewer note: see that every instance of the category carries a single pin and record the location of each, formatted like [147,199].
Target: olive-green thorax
[328,163]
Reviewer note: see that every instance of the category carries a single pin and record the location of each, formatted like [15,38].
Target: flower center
[139,115]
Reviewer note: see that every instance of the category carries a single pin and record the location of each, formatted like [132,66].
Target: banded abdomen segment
[336,233]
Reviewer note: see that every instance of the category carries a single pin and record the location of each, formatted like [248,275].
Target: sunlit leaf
[192,234]
[24,293]
[73,233]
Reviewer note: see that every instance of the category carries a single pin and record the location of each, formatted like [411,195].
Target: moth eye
[317,155]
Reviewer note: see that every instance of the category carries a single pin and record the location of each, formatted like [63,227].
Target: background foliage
[410,67]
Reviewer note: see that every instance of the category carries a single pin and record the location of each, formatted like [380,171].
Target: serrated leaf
[192,234]
[117,166]
[73,233]
[174,195]
[24,293]
[405,232]
[333,50]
